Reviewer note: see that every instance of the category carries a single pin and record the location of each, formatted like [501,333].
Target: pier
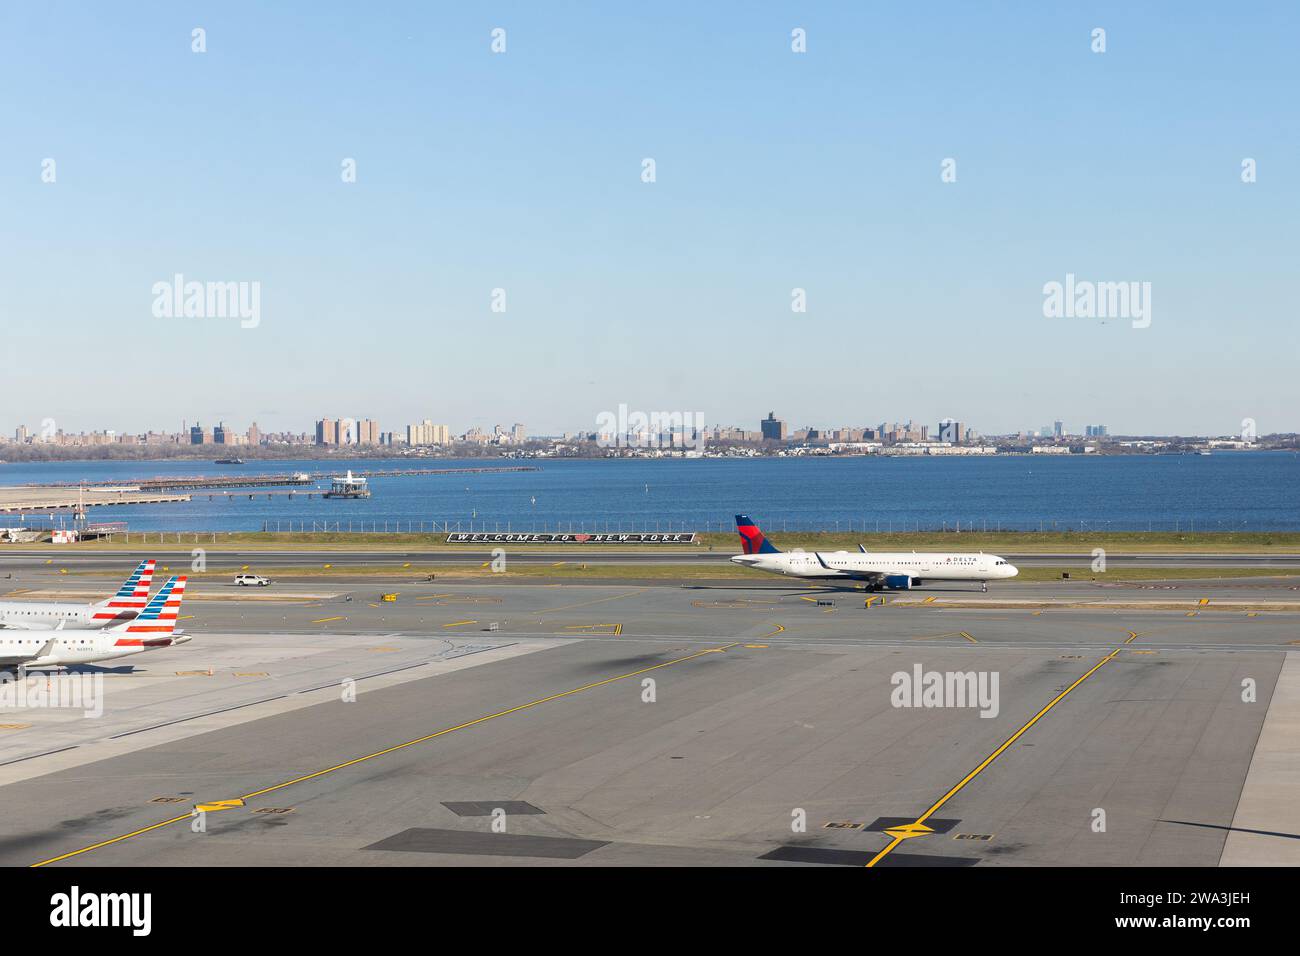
[36,499]
[290,479]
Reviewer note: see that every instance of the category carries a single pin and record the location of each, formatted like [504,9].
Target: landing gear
[984,586]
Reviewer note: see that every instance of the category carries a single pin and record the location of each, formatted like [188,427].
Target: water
[1247,491]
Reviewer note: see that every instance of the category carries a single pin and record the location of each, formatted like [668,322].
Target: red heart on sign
[582,537]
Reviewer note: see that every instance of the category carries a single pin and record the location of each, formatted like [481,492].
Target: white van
[251,580]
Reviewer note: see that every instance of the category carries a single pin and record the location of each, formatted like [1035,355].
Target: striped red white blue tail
[156,624]
[132,596]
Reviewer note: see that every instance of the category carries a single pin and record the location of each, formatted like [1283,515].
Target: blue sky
[775,170]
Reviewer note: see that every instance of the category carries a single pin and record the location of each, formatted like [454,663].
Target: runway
[769,736]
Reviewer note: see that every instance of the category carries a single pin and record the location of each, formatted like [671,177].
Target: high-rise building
[1058,429]
[427,433]
[951,430]
[254,434]
[219,434]
[367,431]
[327,432]
[196,435]
[517,433]
[772,428]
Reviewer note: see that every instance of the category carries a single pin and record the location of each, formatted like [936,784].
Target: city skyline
[344,431]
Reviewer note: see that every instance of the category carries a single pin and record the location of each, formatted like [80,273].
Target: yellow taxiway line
[918,828]
[239,801]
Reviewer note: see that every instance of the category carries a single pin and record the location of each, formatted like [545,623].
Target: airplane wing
[28,658]
[852,575]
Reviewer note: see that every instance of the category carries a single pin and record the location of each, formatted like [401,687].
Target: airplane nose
[1012,570]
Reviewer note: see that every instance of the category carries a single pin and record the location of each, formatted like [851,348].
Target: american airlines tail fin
[752,539]
[156,625]
[133,595]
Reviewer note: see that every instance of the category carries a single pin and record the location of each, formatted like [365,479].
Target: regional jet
[130,599]
[155,627]
[894,570]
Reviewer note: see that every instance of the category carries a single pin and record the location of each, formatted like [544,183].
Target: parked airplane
[155,627]
[894,570]
[130,599]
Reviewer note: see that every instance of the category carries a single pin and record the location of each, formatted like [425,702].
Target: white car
[251,580]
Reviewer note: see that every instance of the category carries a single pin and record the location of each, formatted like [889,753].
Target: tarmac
[491,722]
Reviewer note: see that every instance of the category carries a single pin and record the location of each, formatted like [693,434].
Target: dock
[37,499]
[299,479]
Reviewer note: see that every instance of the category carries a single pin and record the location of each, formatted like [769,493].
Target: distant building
[517,433]
[368,432]
[1058,429]
[1095,431]
[254,434]
[219,433]
[951,430]
[327,432]
[199,437]
[772,428]
[427,433]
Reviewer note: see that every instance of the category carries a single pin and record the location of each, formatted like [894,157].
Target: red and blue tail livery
[752,539]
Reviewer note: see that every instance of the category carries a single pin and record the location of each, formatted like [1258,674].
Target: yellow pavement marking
[612,597]
[220,804]
[1132,636]
[215,805]
[1191,614]
[935,637]
[249,674]
[326,620]
[14,726]
[929,600]
[459,623]
[910,829]
[968,637]
[756,646]
[1203,601]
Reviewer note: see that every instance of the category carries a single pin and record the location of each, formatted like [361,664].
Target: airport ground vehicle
[251,580]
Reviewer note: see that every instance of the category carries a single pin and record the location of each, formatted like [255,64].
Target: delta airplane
[896,570]
[130,599]
[155,627]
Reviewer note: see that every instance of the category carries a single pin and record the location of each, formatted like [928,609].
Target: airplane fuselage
[894,570]
[24,615]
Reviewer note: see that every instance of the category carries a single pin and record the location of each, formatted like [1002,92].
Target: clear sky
[774,171]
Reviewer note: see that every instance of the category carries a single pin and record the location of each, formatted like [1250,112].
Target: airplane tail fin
[752,538]
[133,595]
[156,624]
